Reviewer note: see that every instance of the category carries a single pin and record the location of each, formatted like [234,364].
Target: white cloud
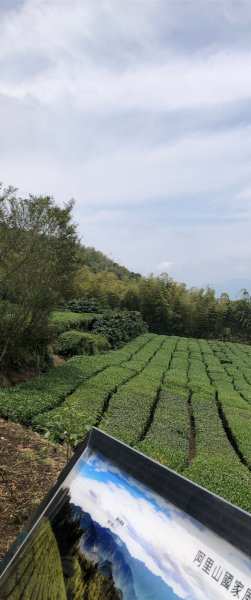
[163,266]
[176,84]
[244,195]
[64,38]
[197,164]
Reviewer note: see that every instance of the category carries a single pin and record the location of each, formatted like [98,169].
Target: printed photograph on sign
[108,536]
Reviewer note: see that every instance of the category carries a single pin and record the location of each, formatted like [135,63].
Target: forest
[45,267]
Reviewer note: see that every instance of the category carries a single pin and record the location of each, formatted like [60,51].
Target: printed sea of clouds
[156,533]
[143,115]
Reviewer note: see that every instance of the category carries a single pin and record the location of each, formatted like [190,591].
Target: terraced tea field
[185,402]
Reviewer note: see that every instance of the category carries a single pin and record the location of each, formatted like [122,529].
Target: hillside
[44,267]
[99,262]
[185,402]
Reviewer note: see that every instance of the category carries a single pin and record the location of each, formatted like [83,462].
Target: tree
[154,305]
[38,261]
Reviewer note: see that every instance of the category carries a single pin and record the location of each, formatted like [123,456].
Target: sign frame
[218,515]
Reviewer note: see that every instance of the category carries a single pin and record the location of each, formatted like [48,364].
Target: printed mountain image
[112,558]
[106,536]
[85,577]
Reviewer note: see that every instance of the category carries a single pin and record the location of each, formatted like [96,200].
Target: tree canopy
[38,262]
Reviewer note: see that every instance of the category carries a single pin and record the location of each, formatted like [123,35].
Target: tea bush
[22,402]
[74,342]
[216,466]
[120,327]
[168,437]
[184,402]
[86,305]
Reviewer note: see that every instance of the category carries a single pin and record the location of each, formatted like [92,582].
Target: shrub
[23,401]
[183,402]
[74,342]
[64,320]
[167,438]
[41,394]
[216,465]
[237,414]
[86,305]
[120,327]
[129,409]
[83,408]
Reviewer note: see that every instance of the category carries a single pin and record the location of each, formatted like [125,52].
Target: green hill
[98,262]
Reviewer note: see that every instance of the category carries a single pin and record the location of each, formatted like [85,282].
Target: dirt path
[29,465]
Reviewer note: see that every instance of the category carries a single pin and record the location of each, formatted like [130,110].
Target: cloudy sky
[140,110]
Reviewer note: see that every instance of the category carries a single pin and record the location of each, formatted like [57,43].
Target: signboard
[120,526]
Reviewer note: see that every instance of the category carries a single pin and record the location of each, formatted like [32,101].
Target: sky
[141,112]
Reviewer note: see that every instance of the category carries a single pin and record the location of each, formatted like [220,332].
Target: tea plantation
[185,402]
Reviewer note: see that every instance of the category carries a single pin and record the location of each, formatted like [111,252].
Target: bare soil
[29,466]
[57,360]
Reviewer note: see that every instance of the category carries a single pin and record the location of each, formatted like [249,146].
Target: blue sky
[140,111]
